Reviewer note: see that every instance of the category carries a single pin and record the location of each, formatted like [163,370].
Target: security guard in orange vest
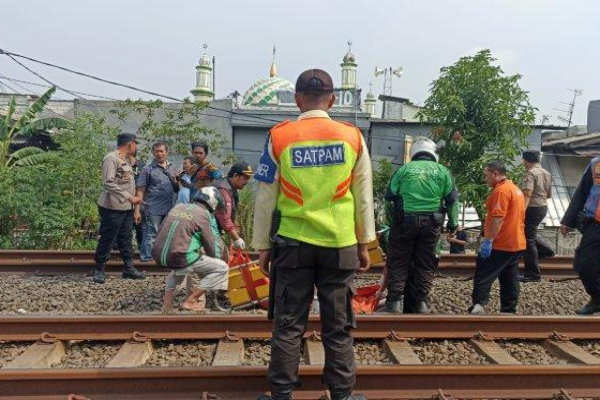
[313,219]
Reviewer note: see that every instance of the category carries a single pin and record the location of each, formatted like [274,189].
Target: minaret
[349,69]
[203,92]
[273,70]
[370,102]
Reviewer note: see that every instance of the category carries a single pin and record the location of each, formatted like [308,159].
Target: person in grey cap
[115,206]
[537,188]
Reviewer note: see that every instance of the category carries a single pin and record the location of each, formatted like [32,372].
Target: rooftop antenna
[570,108]
[545,119]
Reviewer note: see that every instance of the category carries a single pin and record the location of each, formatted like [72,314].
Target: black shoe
[590,308]
[528,278]
[394,307]
[345,394]
[276,396]
[130,272]
[100,273]
[422,308]
[546,255]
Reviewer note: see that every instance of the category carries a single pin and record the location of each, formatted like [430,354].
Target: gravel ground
[76,294]
[591,346]
[257,352]
[89,354]
[446,352]
[530,352]
[10,350]
[369,352]
[182,353]
[453,296]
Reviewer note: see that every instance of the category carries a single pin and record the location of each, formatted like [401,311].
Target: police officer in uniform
[418,195]
[115,206]
[316,173]
[586,199]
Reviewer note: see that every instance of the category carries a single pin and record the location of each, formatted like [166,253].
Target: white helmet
[210,196]
[423,145]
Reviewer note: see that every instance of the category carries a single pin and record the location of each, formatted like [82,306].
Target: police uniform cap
[124,138]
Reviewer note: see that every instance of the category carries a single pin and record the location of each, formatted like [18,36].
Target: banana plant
[12,126]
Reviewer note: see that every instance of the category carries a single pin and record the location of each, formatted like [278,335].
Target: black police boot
[422,308]
[590,308]
[277,395]
[346,394]
[99,273]
[394,307]
[130,272]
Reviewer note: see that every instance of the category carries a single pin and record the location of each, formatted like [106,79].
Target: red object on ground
[242,260]
[365,301]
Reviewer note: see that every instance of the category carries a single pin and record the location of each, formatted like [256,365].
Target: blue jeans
[152,224]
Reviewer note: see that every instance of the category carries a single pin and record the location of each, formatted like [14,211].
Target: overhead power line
[110,82]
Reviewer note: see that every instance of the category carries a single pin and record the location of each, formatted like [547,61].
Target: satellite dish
[379,71]
[398,72]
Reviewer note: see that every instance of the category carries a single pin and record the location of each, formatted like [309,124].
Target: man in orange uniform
[503,242]
[316,174]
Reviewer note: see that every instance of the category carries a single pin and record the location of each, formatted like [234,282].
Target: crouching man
[187,230]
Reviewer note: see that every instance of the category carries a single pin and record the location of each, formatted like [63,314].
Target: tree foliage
[177,125]
[481,114]
[13,125]
[381,180]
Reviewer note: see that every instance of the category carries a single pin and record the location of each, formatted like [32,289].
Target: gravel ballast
[89,354]
[11,350]
[76,294]
[182,353]
[529,352]
[446,352]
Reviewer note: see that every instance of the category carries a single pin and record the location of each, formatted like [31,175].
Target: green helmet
[211,197]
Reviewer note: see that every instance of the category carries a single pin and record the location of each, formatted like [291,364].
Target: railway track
[69,262]
[405,377]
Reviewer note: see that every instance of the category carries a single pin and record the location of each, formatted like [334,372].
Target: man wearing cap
[313,204]
[237,178]
[115,206]
[537,189]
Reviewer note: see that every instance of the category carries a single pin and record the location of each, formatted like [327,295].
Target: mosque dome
[204,61]
[349,57]
[264,91]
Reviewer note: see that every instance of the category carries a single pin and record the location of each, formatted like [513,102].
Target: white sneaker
[477,310]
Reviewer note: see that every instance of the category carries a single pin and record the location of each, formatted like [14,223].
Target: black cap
[314,80]
[240,168]
[124,138]
[532,156]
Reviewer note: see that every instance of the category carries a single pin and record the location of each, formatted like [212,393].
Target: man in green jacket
[419,195]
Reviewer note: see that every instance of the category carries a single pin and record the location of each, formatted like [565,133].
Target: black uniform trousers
[501,265]
[587,259]
[299,269]
[411,253]
[115,227]
[533,218]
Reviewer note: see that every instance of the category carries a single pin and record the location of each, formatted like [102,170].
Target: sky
[155,45]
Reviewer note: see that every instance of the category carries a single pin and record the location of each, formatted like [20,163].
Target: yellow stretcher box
[375,252]
[238,290]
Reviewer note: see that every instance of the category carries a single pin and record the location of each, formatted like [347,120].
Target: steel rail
[82,261]
[29,328]
[378,382]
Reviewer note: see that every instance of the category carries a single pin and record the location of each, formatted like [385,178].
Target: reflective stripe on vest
[316,158]
[592,204]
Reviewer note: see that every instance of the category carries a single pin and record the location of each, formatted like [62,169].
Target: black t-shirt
[457,248]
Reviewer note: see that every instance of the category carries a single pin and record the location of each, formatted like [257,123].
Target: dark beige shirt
[539,181]
[118,182]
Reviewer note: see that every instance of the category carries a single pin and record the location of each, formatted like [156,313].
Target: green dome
[264,91]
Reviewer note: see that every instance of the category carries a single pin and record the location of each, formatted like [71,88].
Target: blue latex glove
[486,249]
